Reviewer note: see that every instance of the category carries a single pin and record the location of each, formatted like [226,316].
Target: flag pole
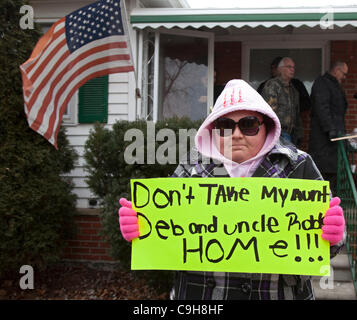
[126,31]
[344,138]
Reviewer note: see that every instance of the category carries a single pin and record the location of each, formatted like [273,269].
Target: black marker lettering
[158,190]
[190,197]
[212,228]
[266,193]
[272,222]
[171,193]
[221,193]
[280,244]
[311,223]
[209,186]
[283,196]
[143,236]
[211,242]
[243,192]
[225,229]
[176,227]
[253,241]
[297,241]
[232,194]
[136,185]
[316,240]
[185,250]
[161,224]
[196,228]
[312,195]
[293,220]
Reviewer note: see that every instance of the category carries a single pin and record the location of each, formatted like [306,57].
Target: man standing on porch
[284,100]
[329,106]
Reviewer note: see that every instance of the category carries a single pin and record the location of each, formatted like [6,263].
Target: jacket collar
[287,150]
[282,83]
[329,76]
[279,151]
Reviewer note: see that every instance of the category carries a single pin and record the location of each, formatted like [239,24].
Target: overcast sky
[267,4]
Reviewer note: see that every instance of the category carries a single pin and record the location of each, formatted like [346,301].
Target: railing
[346,190]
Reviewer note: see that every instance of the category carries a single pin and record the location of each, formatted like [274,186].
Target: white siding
[118,109]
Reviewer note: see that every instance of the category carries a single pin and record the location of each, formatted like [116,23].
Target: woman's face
[239,147]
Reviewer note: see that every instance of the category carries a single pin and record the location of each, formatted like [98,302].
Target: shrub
[36,203]
[109,174]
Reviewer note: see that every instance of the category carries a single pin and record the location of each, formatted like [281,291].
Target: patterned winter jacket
[283,161]
[284,100]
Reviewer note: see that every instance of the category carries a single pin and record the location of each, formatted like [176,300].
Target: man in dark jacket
[329,107]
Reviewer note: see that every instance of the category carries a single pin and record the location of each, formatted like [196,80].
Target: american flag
[88,43]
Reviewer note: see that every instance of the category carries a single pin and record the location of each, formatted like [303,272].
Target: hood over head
[237,95]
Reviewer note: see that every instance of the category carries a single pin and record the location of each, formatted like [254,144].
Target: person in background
[304,98]
[329,105]
[218,88]
[241,137]
[273,72]
[284,99]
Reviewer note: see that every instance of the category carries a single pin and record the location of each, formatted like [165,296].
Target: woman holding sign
[241,137]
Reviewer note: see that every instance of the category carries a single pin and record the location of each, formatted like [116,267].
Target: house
[183,55]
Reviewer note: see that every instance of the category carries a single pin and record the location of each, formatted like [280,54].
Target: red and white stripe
[53,75]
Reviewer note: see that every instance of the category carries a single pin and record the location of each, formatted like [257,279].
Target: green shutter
[93,101]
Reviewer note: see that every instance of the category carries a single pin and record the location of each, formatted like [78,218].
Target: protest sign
[252,225]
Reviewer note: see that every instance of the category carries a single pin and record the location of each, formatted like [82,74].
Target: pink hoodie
[237,95]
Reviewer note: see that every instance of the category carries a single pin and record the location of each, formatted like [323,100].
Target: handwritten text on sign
[253,225]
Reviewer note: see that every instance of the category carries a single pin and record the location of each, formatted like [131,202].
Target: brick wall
[228,56]
[88,245]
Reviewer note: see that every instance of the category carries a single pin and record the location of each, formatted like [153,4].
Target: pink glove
[128,221]
[334,223]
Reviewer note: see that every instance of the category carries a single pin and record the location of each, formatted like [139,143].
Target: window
[93,101]
[178,78]
[311,60]
[307,64]
[69,117]
[184,73]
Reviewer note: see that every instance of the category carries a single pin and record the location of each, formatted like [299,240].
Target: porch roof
[210,18]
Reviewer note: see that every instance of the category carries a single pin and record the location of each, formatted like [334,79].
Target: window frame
[247,46]
[187,33]
[70,117]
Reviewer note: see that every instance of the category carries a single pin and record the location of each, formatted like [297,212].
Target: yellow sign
[251,225]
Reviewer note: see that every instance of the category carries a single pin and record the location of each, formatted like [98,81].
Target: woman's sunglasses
[249,126]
